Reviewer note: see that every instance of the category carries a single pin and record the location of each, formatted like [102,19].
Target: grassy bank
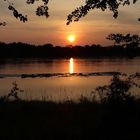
[84,120]
[116,116]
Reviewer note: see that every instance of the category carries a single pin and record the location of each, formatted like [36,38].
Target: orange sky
[91,29]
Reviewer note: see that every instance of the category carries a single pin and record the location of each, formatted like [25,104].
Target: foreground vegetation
[84,120]
[115,115]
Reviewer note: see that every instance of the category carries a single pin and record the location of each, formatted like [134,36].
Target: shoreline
[47,75]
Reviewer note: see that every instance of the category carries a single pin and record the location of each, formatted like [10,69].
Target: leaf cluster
[2,23]
[112,5]
[120,38]
[79,12]
[17,15]
[41,10]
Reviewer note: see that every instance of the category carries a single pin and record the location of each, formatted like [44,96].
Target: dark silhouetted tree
[118,90]
[125,40]
[112,5]
[42,10]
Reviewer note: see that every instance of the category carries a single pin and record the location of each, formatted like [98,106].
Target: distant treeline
[23,50]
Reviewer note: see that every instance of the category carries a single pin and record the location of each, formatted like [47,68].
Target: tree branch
[112,5]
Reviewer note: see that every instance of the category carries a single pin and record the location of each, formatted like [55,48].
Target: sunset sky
[91,29]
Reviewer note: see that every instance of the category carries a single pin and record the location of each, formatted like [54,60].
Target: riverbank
[114,116]
[68,120]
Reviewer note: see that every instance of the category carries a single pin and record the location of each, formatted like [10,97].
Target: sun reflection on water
[71,66]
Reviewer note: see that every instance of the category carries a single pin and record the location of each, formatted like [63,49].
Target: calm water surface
[61,88]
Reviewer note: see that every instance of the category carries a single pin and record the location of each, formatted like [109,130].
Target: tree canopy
[79,12]
[125,40]
[112,5]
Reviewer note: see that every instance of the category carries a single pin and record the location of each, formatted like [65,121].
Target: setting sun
[71,38]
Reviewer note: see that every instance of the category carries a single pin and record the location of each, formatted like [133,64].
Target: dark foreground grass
[115,117]
[38,120]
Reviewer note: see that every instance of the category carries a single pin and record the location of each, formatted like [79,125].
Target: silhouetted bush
[118,91]
[14,92]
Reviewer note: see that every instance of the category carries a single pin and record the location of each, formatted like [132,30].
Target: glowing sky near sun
[71,38]
[89,30]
